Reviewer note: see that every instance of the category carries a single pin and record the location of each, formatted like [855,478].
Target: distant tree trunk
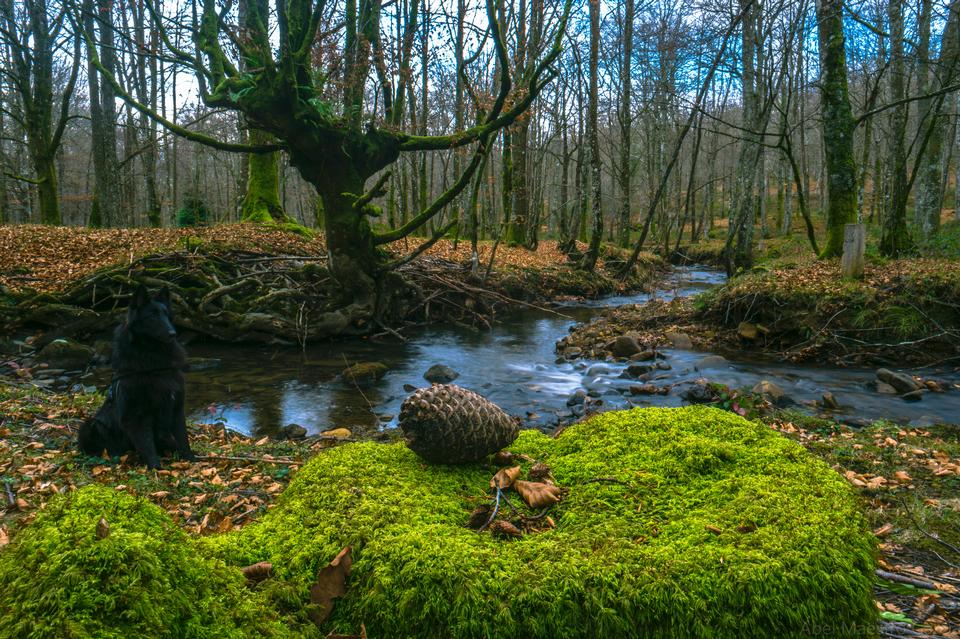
[519,137]
[895,239]
[589,261]
[930,186]
[103,118]
[838,126]
[626,116]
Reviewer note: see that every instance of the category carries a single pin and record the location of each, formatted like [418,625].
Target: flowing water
[257,389]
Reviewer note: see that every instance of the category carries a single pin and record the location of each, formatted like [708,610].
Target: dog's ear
[164,297]
[140,298]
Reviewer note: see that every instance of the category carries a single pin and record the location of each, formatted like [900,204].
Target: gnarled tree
[333,94]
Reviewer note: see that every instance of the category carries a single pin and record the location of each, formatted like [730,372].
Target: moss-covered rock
[687,522]
[141,577]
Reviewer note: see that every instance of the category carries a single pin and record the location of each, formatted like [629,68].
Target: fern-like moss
[59,579]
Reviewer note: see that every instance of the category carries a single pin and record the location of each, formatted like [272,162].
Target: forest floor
[908,479]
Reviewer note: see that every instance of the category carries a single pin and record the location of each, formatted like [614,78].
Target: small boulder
[572,352]
[771,392]
[65,354]
[900,381]
[643,356]
[680,340]
[598,369]
[712,361]
[577,398]
[364,372]
[830,402]
[625,346]
[663,366]
[636,370]
[292,431]
[440,374]
[913,396]
[644,389]
[338,433]
[886,389]
[698,393]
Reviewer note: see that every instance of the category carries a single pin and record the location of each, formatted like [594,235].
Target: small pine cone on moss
[447,424]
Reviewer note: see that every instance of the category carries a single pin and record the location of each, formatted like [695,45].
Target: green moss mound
[687,522]
[145,578]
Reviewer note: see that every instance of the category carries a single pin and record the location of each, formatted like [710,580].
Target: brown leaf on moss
[331,584]
[505,477]
[103,529]
[504,529]
[260,571]
[538,471]
[537,494]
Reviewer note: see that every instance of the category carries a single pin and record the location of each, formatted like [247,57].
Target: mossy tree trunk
[838,126]
[261,203]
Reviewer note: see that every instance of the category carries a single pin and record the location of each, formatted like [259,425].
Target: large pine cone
[446,424]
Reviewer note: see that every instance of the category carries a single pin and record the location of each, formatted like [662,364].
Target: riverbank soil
[247,283]
[902,313]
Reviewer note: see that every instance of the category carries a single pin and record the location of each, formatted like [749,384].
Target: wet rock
[886,389]
[643,356]
[203,363]
[578,398]
[900,381]
[663,366]
[772,393]
[649,389]
[598,369]
[856,422]
[594,392]
[65,354]
[712,361]
[385,417]
[925,421]
[364,372]
[409,388]
[680,340]
[572,352]
[440,374]
[933,385]
[292,431]
[338,433]
[830,402]
[636,370]
[913,396]
[579,410]
[626,346]
[698,393]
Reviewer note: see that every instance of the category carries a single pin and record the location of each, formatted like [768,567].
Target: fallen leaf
[331,584]
[255,573]
[103,529]
[338,433]
[714,529]
[538,471]
[884,530]
[479,516]
[537,494]
[505,477]
[504,529]
[4,537]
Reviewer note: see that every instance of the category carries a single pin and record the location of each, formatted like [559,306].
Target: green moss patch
[686,522]
[61,578]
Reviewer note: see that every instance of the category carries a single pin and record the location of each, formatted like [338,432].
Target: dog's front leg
[142,437]
[180,428]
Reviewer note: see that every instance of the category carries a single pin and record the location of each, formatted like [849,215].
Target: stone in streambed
[712,361]
[292,431]
[900,381]
[364,372]
[636,370]
[440,374]
[830,402]
[625,346]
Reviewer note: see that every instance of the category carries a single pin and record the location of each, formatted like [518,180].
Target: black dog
[143,410]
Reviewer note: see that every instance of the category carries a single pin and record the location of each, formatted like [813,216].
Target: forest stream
[257,389]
